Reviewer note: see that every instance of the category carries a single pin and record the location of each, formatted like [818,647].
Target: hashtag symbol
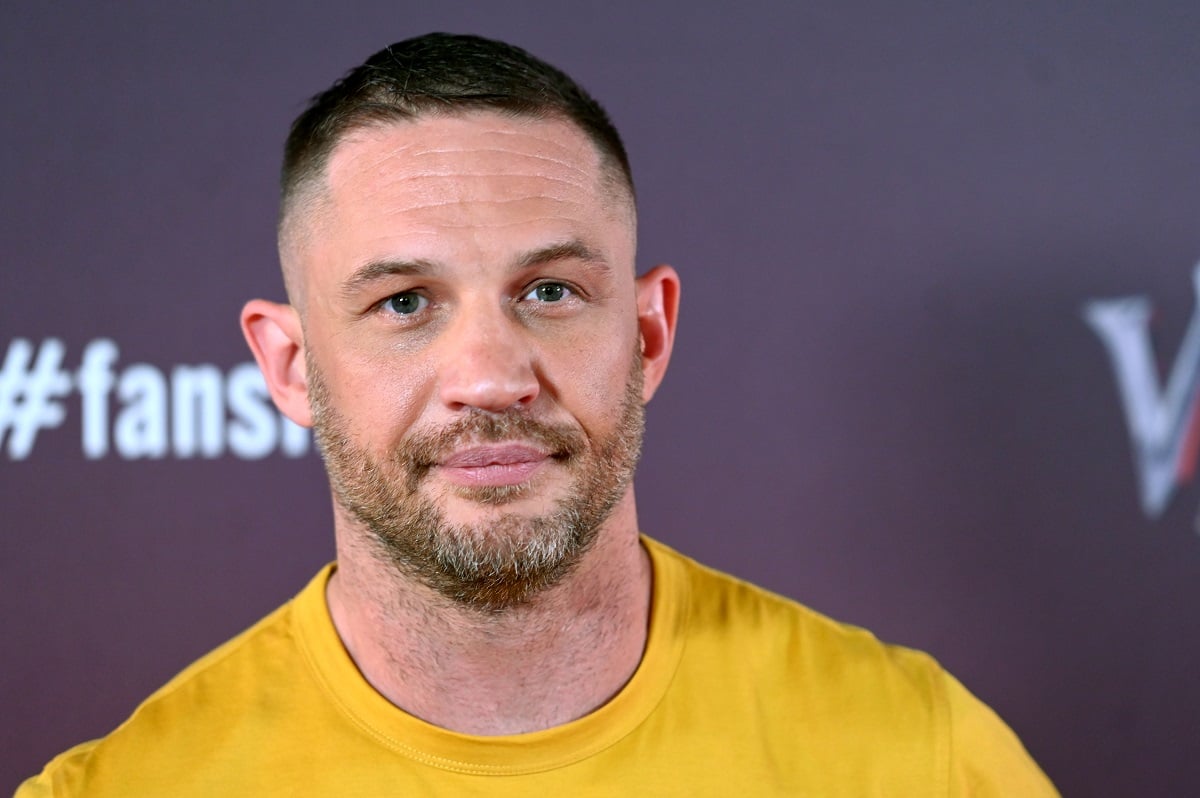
[29,394]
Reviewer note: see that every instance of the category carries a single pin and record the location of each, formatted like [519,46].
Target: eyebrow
[566,250]
[382,269]
[573,249]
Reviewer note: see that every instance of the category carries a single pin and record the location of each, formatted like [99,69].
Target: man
[467,338]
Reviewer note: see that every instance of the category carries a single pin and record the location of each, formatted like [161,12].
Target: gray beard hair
[511,559]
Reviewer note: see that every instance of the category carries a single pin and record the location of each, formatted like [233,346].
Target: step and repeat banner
[936,374]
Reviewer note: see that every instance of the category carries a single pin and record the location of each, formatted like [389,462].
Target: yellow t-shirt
[739,692]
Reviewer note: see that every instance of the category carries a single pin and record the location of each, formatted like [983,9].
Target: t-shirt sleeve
[34,787]
[39,786]
[986,758]
[60,778]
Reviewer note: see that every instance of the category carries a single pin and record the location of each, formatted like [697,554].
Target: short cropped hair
[441,73]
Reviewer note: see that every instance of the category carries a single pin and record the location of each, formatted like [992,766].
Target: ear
[658,309]
[277,340]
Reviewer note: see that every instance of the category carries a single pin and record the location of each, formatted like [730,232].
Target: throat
[523,669]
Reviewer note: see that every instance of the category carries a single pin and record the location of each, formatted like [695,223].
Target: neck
[530,667]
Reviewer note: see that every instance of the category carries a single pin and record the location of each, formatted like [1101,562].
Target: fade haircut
[440,73]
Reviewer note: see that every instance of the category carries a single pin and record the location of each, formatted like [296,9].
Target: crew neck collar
[514,754]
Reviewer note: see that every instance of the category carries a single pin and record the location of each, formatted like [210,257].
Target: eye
[406,303]
[549,292]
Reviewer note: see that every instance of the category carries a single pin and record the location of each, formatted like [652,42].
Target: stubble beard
[510,558]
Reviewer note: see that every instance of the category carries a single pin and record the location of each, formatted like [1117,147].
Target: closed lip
[494,465]
[494,455]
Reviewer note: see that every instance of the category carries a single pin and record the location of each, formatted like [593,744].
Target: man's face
[471,339]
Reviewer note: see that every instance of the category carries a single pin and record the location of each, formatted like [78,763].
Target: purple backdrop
[885,399]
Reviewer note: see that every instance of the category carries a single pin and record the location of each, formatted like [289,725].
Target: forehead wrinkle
[474,198]
[580,144]
[577,158]
[454,187]
[459,180]
[568,164]
[455,173]
[498,225]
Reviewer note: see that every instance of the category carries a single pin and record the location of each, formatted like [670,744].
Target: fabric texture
[739,692]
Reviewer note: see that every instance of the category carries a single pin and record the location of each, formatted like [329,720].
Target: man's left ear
[658,309]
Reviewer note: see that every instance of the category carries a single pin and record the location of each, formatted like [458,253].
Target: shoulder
[186,720]
[838,693]
[794,647]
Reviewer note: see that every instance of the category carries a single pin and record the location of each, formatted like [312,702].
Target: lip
[494,464]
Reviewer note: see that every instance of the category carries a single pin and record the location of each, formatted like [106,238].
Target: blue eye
[406,303]
[549,292]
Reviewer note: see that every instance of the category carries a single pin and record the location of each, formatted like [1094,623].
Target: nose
[487,362]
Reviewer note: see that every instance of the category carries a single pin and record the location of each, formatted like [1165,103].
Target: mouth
[494,465]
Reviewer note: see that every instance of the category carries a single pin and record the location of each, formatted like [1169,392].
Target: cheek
[590,377]
[381,398]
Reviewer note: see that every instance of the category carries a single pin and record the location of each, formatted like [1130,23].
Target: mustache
[421,450]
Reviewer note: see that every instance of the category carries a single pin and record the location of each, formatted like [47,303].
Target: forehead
[437,182]
[470,158]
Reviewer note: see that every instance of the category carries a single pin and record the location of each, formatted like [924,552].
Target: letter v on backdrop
[1161,418]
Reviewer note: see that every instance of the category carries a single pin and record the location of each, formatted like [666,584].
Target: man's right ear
[277,340]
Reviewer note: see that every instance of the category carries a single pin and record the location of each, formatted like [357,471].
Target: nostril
[461,390]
